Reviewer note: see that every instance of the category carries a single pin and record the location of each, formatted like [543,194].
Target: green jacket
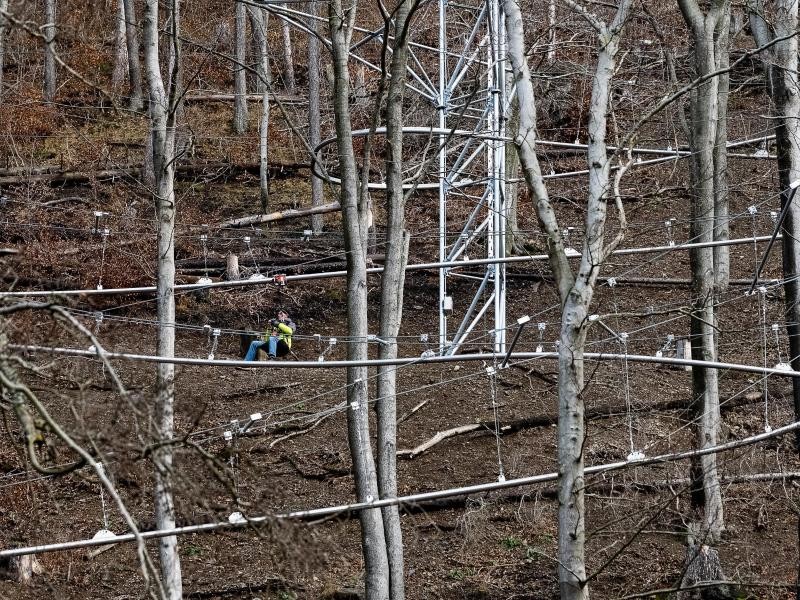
[284,331]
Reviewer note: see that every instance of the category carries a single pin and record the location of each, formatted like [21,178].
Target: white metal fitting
[227,435]
[255,416]
[522,320]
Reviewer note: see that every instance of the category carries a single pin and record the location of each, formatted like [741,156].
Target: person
[278,342]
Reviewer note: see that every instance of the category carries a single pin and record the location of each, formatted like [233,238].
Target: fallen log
[545,420]
[282,215]
[297,263]
[284,98]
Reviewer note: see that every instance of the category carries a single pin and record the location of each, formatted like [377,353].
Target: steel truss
[470,97]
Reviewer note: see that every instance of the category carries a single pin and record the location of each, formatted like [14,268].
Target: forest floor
[492,545]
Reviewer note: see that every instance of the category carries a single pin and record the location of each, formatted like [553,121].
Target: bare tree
[287,56]
[314,134]
[3,33]
[710,270]
[393,282]
[162,133]
[575,289]
[259,19]
[49,32]
[782,80]
[239,70]
[134,68]
[120,48]
[354,224]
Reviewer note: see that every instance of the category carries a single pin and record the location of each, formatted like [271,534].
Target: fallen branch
[286,99]
[281,215]
[288,436]
[439,437]
[545,420]
[412,411]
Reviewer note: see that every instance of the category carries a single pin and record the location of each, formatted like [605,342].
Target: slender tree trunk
[162,132]
[787,134]
[551,31]
[708,195]
[314,133]
[120,48]
[258,23]
[355,234]
[287,54]
[134,68]
[49,32]
[721,217]
[393,281]
[781,70]
[512,187]
[574,291]
[3,33]
[239,72]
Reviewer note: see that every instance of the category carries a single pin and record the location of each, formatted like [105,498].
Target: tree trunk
[134,69]
[49,32]
[120,48]
[258,23]
[232,268]
[314,133]
[571,434]
[551,31]
[239,72]
[3,33]
[708,195]
[782,64]
[575,292]
[397,240]
[355,234]
[287,55]
[162,133]
[512,187]
[721,218]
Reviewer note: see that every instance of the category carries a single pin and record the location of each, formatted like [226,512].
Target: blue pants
[274,348]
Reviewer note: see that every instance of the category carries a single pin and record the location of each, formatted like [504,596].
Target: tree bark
[575,291]
[49,32]
[314,132]
[239,72]
[120,48]
[3,34]
[355,235]
[397,241]
[288,58]
[259,19]
[709,277]
[781,66]
[134,68]
[162,134]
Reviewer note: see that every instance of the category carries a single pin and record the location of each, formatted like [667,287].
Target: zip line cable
[374,270]
[342,364]
[411,499]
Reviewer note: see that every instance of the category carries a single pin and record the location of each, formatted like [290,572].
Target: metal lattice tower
[480,53]
[469,95]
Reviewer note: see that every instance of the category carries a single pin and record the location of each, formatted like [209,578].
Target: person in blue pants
[277,339]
